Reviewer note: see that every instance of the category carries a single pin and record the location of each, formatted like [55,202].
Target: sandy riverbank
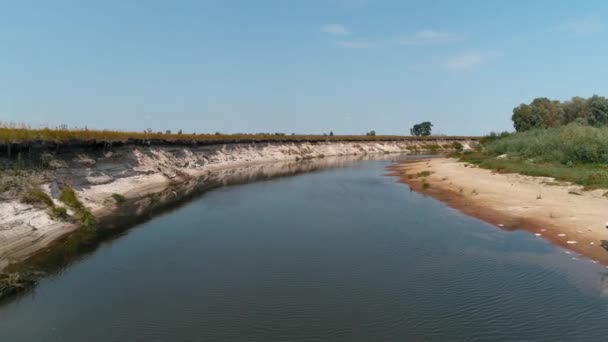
[559,212]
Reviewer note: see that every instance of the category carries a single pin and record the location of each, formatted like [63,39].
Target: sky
[295,66]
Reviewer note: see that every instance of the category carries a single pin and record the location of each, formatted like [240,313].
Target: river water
[344,253]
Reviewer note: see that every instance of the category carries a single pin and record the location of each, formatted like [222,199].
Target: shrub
[572,144]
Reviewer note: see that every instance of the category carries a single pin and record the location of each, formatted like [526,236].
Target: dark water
[339,254]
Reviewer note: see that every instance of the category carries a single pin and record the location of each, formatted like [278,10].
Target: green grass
[69,198]
[433,148]
[120,199]
[591,176]
[87,219]
[424,174]
[572,153]
[58,213]
[35,195]
[457,146]
[569,145]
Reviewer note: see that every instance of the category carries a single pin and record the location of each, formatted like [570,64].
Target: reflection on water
[80,243]
[340,254]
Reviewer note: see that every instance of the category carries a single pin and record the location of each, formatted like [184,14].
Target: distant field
[14,135]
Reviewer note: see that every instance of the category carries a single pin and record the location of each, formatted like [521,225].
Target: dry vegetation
[21,133]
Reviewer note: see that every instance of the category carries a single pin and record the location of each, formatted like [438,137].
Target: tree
[540,113]
[422,129]
[524,118]
[545,113]
[577,110]
[598,106]
[331,133]
[371,133]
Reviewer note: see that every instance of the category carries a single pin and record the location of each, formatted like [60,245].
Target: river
[342,253]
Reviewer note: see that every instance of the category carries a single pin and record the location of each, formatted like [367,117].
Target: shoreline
[561,213]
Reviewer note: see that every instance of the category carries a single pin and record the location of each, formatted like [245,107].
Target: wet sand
[559,212]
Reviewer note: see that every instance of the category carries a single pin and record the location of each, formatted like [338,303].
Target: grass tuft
[424,173]
[58,213]
[35,195]
[68,196]
[120,199]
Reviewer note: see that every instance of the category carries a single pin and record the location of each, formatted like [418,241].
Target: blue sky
[295,66]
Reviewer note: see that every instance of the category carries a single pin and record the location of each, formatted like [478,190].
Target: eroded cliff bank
[127,181]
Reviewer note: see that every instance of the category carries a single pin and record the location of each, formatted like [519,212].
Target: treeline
[545,113]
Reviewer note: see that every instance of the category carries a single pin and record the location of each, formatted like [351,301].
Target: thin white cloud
[582,25]
[466,61]
[354,44]
[428,37]
[336,29]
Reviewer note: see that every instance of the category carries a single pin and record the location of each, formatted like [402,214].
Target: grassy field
[573,153]
[19,134]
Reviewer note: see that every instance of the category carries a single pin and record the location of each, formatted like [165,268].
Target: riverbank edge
[511,202]
[151,191]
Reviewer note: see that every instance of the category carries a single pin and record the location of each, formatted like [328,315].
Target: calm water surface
[338,254]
